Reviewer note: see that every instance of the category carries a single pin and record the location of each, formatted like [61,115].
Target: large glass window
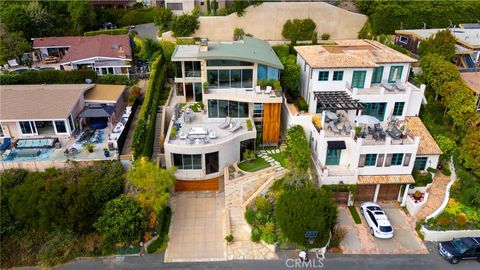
[421,163]
[236,78]
[395,73]
[333,156]
[358,79]
[178,69]
[246,145]
[258,110]
[70,123]
[375,109]
[338,75]
[187,162]
[247,78]
[398,108]
[27,127]
[377,75]
[224,78]
[60,126]
[262,72]
[230,78]
[227,63]
[370,159]
[224,108]
[211,163]
[272,73]
[212,77]
[192,69]
[197,88]
[397,159]
[323,75]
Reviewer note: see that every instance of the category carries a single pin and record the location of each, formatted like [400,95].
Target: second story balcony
[383,89]
[245,94]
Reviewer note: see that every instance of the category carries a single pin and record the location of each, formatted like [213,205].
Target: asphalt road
[332,261]
[146,30]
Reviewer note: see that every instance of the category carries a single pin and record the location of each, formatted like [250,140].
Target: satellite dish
[87,80]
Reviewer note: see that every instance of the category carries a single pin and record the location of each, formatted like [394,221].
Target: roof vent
[114,46]
[203,44]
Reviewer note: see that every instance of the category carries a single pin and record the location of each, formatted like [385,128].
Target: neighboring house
[119,3]
[231,70]
[59,111]
[467,46]
[472,80]
[186,6]
[342,83]
[106,54]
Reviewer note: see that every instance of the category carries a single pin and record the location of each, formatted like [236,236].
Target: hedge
[297,148]
[119,31]
[48,77]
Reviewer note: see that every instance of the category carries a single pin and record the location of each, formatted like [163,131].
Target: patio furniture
[332,116]
[377,127]
[183,135]
[382,135]
[269,90]
[189,140]
[334,128]
[258,90]
[225,124]
[197,131]
[400,85]
[6,144]
[366,119]
[236,126]
[370,130]
[206,140]
[188,115]
[389,86]
[110,146]
[347,128]
[212,135]
[13,63]
[394,132]
[363,134]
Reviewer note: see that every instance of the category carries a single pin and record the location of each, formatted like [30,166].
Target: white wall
[432,160]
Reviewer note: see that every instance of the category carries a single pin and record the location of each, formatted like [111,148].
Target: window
[227,63]
[70,123]
[60,126]
[257,109]
[187,162]
[27,127]
[262,72]
[226,78]
[212,78]
[175,6]
[398,108]
[323,75]
[338,75]
[333,156]
[1,131]
[358,79]
[211,163]
[178,69]
[421,163]
[403,39]
[377,75]
[192,69]
[224,108]
[395,73]
[370,159]
[397,159]
[375,109]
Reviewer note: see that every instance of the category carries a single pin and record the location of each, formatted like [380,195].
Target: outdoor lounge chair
[258,90]
[236,126]
[390,87]
[347,128]
[400,85]
[212,135]
[334,128]
[183,135]
[269,90]
[225,124]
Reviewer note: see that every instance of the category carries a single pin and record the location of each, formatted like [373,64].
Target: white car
[377,220]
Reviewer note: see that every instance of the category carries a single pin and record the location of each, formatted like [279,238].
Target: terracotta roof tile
[416,128]
[385,179]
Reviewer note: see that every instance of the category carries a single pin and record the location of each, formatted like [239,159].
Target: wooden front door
[388,192]
[364,193]
[271,123]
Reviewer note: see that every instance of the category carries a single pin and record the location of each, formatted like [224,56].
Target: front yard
[254,165]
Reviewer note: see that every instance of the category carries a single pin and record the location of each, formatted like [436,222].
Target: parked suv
[377,220]
[460,249]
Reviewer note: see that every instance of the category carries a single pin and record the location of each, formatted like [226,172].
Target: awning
[97,110]
[385,179]
[336,145]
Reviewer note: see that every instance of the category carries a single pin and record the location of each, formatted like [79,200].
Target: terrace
[383,89]
[245,95]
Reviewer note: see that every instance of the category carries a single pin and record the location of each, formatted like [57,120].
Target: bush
[163,18]
[263,205]
[338,235]
[250,216]
[302,104]
[354,213]
[268,232]
[60,249]
[314,38]
[325,36]
[298,151]
[114,79]
[421,179]
[119,31]
[256,234]
[229,238]
[185,25]
[298,29]
[48,77]
[238,33]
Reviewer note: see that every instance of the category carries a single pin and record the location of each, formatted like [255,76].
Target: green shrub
[431,170]
[229,238]
[256,234]
[302,104]
[355,216]
[314,38]
[325,36]
[250,216]
[298,29]
[59,249]
[338,234]
[263,205]
[114,79]
[421,179]
[298,151]
[49,77]
[185,25]
[249,124]
[119,31]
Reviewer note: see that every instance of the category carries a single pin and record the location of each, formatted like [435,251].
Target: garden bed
[254,165]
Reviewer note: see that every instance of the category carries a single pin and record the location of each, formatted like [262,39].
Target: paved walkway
[358,239]
[436,195]
[197,230]
[266,155]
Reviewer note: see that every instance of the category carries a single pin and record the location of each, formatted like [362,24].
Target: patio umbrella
[367,120]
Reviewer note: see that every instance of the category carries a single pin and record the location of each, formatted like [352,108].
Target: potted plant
[358,130]
[205,85]
[249,155]
[229,239]
[249,125]
[106,152]
[417,196]
[173,133]
[89,147]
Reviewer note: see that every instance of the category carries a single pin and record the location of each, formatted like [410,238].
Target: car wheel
[371,232]
[361,211]
[454,261]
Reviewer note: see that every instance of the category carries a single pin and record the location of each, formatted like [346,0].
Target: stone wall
[266,21]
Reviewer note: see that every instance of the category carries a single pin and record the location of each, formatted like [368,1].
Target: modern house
[35,117]
[238,114]
[106,54]
[467,46]
[185,6]
[472,81]
[362,119]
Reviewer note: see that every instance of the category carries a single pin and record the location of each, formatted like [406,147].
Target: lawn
[355,215]
[280,157]
[253,166]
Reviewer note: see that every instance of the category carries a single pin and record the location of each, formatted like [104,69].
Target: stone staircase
[158,134]
[436,195]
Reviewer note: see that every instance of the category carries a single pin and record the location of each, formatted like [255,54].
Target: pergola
[337,100]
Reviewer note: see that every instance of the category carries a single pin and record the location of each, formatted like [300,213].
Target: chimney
[203,44]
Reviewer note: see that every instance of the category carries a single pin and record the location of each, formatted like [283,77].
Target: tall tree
[442,44]
[470,152]
[459,101]
[148,48]
[40,18]
[436,72]
[162,17]
[298,29]
[185,25]
[12,45]
[82,15]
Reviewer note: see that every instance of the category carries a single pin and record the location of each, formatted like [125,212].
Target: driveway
[197,229]
[358,239]
[148,30]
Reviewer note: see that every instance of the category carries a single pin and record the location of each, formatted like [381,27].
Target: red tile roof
[114,46]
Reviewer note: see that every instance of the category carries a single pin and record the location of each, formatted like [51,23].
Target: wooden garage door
[198,185]
[340,197]
[364,193]
[388,192]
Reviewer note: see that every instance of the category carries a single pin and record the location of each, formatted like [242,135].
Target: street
[148,30]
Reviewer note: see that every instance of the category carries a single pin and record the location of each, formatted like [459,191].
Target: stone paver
[358,239]
[197,229]
[436,195]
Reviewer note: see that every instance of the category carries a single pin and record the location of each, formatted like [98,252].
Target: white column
[377,189]
[405,194]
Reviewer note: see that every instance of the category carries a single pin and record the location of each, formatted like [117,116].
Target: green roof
[249,49]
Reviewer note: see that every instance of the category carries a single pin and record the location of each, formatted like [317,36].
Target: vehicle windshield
[385,228]
[459,245]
